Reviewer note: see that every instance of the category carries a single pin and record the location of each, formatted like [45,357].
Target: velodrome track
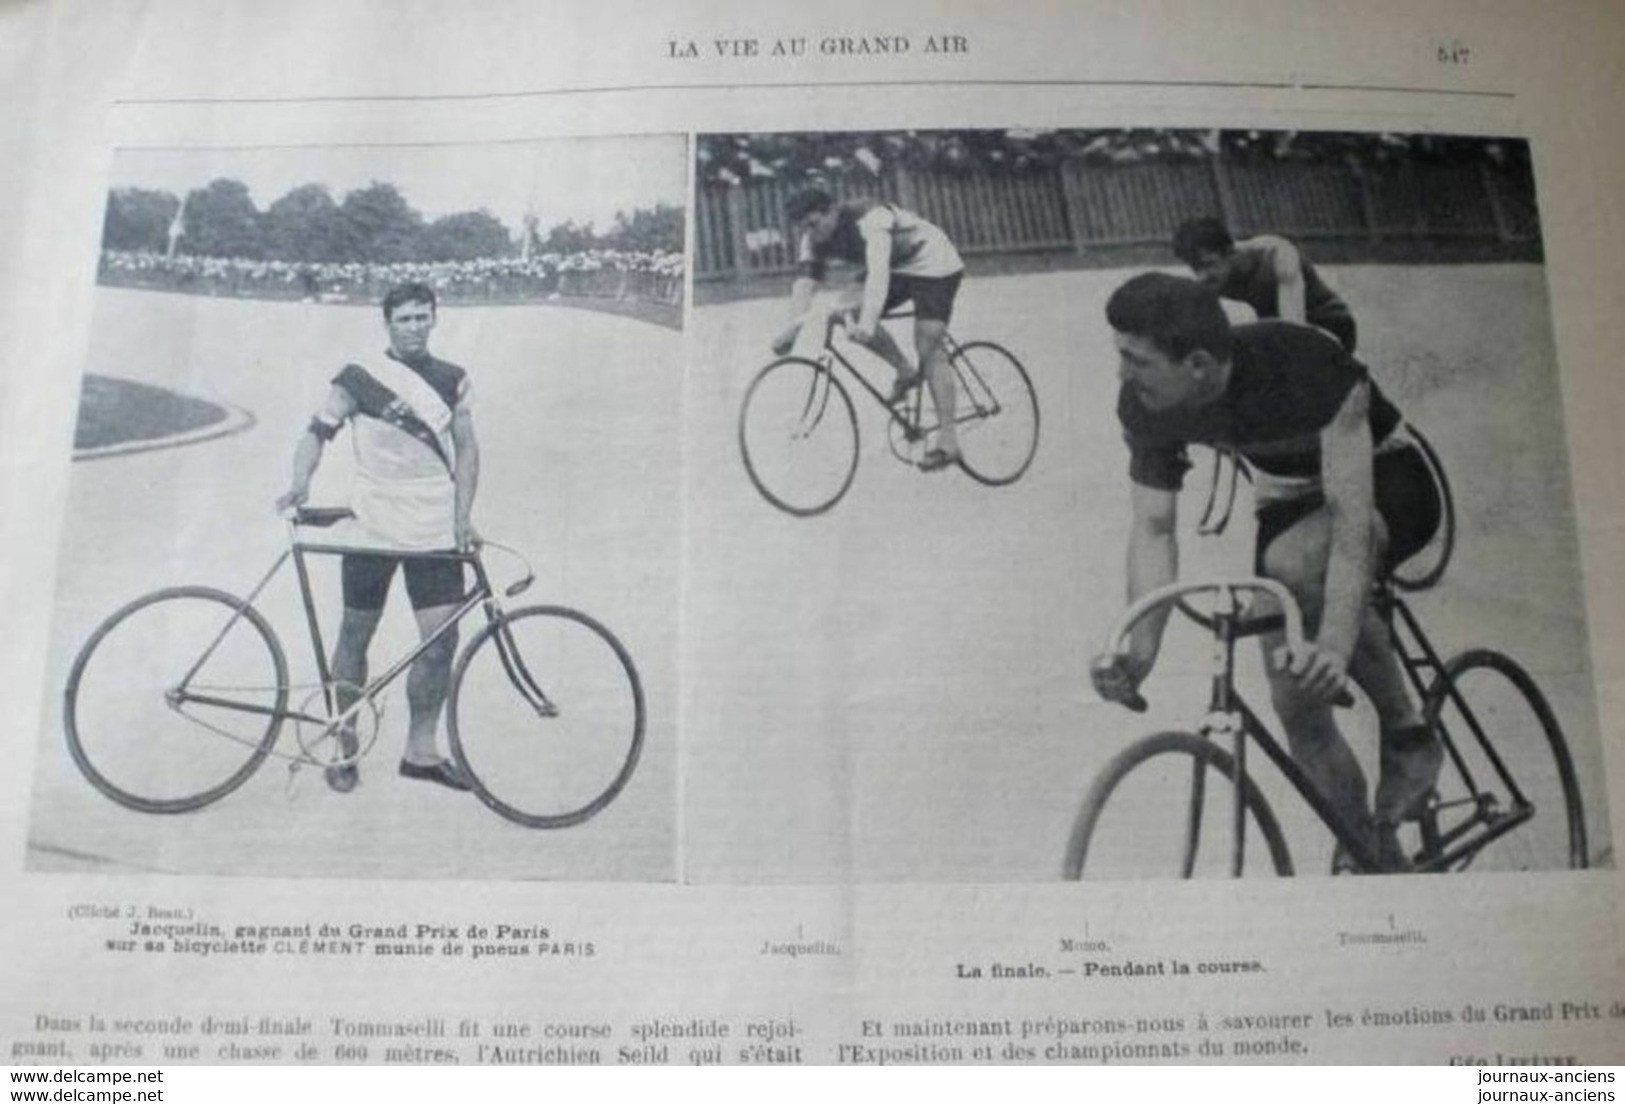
[577,415]
[897,690]
[894,691]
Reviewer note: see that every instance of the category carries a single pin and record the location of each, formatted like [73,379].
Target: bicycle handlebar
[1227,592]
[1226,589]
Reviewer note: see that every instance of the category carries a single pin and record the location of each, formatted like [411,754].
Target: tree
[648,230]
[465,236]
[377,224]
[222,221]
[303,226]
[567,237]
[138,219]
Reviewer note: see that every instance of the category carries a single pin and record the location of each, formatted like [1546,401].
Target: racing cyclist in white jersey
[903,257]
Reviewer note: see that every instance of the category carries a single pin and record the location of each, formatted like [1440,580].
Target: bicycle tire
[1503,751]
[793,433]
[139,668]
[546,771]
[1427,566]
[999,434]
[1205,756]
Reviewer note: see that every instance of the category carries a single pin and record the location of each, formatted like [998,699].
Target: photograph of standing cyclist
[901,258]
[411,418]
[275,426]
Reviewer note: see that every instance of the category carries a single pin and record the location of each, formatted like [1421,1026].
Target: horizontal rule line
[1302,86]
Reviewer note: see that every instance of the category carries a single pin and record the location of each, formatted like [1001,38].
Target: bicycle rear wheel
[996,413]
[1149,809]
[798,436]
[546,716]
[137,737]
[1508,795]
[1426,567]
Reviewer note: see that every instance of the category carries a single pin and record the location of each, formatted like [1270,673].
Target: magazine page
[836,467]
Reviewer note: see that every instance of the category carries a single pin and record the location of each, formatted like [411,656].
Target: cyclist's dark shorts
[1407,499]
[429,582]
[933,295]
[1340,326]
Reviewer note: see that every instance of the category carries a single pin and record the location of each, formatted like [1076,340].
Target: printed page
[767,412]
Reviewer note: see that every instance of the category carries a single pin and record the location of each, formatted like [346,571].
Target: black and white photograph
[1129,504]
[314,370]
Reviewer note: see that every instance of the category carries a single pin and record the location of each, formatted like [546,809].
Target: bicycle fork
[1222,720]
[513,665]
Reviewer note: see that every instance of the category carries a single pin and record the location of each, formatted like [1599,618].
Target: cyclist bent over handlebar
[1340,498]
[904,257]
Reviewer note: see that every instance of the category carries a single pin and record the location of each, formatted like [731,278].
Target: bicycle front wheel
[175,699]
[996,413]
[798,436]
[546,716]
[1164,807]
[1508,795]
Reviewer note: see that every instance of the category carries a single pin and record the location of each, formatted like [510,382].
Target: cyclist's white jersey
[918,247]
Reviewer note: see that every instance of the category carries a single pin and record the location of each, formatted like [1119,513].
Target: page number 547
[1452,51]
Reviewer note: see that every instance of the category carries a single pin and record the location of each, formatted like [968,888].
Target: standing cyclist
[417,468]
[903,258]
[1340,498]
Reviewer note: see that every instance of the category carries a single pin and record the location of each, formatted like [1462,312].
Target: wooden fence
[1074,207]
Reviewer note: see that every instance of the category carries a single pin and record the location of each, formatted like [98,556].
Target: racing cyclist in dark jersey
[1340,498]
[1268,273]
[903,257]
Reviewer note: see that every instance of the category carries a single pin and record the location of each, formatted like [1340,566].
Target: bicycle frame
[481,594]
[1229,716]
[908,416]
[1417,655]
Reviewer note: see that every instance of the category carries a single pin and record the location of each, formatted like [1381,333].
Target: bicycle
[798,429]
[177,698]
[1499,802]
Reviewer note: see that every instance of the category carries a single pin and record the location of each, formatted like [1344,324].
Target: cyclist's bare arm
[466,474]
[876,229]
[1347,479]
[307,454]
[801,296]
[1153,561]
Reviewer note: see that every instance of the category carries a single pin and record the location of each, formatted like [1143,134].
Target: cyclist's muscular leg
[1297,559]
[427,683]
[350,653]
[885,345]
[930,340]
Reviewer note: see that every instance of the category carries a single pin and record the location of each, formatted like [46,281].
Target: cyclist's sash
[403,492]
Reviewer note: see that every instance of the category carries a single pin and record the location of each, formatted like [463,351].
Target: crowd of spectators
[595,274]
[739,159]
